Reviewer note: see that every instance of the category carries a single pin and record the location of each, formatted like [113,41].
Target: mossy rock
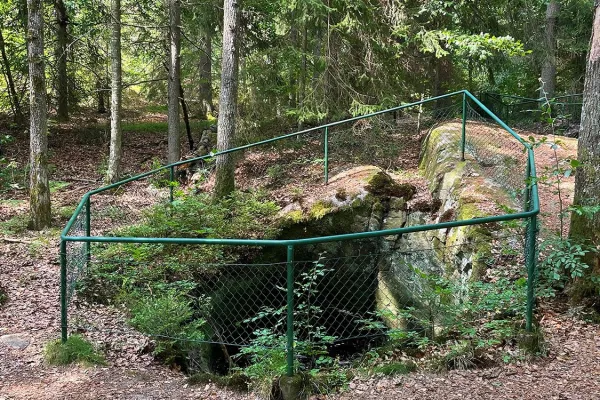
[383,185]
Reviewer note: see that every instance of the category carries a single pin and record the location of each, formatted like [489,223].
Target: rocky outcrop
[369,199]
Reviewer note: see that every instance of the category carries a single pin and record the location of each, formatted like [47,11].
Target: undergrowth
[75,350]
[158,283]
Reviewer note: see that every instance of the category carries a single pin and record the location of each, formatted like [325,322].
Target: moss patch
[382,185]
[320,209]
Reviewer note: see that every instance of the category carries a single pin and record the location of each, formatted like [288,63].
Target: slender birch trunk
[116,149]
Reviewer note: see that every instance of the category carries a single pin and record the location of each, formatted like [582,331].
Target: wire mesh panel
[76,254]
[292,161]
[231,300]
[391,141]
[498,153]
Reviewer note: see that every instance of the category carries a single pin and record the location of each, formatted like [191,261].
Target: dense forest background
[301,61]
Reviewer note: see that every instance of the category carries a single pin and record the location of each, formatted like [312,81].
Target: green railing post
[528,183]
[63,290]
[171,180]
[290,311]
[88,220]
[531,270]
[326,146]
[463,142]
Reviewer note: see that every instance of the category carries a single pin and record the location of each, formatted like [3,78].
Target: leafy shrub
[242,215]
[563,261]
[267,352]
[15,225]
[127,268]
[394,368]
[170,319]
[75,350]
[460,329]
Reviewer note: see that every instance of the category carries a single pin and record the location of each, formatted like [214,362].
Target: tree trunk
[39,190]
[205,69]
[292,81]
[62,21]
[174,150]
[303,77]
[116,149]
[10,83]
[587,178]
[548,78]
[225,179]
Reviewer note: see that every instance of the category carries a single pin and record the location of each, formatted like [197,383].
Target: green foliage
[160,179]
[55,186]
[394,368]
[160,127]
[562,262]
[463,322]
[170,319]
[12,176]
[275,173]
[157,282]
[267,352]
[241,215]
[66,212]
[75,350]
[15,225]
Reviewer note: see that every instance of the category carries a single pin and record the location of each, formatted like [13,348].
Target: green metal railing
[467,104]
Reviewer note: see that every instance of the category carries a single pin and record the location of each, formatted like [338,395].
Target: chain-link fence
[521,109]
[310,295]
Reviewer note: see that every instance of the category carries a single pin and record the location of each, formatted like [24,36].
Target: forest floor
[29,269]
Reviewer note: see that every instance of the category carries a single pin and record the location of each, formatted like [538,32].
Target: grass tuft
[395,368]
[75,350]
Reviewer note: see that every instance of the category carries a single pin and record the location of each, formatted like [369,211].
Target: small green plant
[12,176]
[394,368]
[458,323]
[15,225]
[267,352]
[275,173]
[75,350]
[56,186]
[66,212]
[160,179]
[170,319]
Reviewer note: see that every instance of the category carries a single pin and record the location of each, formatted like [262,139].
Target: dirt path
[571,371]
[30,271]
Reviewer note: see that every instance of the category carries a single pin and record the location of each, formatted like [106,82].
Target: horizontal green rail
[313,240]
